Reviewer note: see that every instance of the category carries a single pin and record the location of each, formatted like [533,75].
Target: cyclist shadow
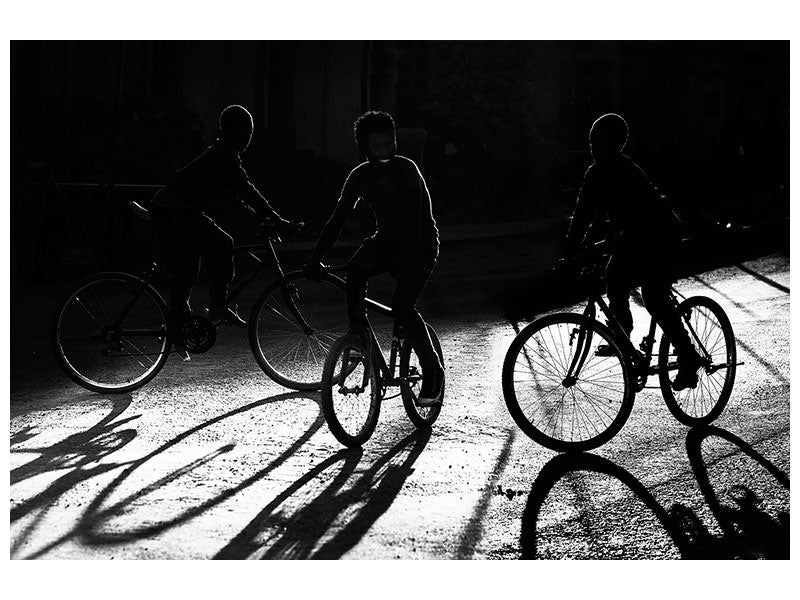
[78,453]
[77,450]
[376,489]
[90,528]
[748,531]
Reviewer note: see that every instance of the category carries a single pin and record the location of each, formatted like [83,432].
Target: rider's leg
[366,262]
[216,247]
[410,281]
[658,301]
[619,281]
[180,256]
[409,285]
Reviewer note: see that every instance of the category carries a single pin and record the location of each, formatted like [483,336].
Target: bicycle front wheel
[712,330]
[292,326]
[110,334]
[411,383]
[556,412]
[351,394]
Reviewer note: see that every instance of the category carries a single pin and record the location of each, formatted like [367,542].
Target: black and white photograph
[441,298]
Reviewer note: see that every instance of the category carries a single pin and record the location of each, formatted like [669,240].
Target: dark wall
[508,121]
[499,127]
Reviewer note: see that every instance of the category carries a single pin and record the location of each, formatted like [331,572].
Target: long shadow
[377,489]
[563,464]
[747,348]
[79,449]
[472,532]
[76,453]
[764,278]
[748,531]
[90,526]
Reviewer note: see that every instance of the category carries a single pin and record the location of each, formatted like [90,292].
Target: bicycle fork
[583,343]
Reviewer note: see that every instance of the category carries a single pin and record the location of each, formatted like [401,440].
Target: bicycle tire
[281,347]
[703,404]
[609,375]
[351,431]
[422,417]
[109,361]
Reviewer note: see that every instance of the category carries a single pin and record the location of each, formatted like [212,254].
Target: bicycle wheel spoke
[108,334]
[563,411]
[714,339]
[284,348]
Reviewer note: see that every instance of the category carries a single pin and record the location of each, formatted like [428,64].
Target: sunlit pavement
[214,460]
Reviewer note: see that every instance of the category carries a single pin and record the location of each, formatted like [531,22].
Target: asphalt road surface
[214,460]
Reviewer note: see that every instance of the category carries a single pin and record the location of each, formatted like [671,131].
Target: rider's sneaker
[182,352]
[227,316]
[687,373]
[432,387]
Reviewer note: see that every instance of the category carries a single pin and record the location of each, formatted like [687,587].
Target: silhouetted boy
[187,234]
[643,234]
[405,243]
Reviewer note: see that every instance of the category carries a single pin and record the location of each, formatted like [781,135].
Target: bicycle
[356,378]
[568,397]
[112,333]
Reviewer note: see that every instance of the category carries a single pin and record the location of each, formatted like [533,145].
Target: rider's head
[607,136]
[236,127]
[375,135]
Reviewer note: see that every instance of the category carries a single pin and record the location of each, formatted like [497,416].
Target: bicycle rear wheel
[704,403]
[110,334]
[351,394]
[411,377]
[557,413]
[286,350]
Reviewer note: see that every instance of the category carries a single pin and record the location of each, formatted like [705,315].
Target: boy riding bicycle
[405,243]
[187,234]
[642,232]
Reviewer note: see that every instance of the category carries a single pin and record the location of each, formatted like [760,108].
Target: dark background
[498,127]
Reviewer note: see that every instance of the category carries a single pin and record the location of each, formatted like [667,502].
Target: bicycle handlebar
[275,230]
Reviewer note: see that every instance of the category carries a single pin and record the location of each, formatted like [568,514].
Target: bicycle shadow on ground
[748,531]
[77,450]
[561,466]
[90,527]
[301,533]
[77,453]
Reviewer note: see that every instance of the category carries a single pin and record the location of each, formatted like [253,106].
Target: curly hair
[372,121]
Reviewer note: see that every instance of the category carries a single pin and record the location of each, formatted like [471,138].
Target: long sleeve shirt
[217,174]
[397,194]
[617,191]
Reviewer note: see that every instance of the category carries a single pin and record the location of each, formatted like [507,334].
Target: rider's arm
[583,215]
[241,186]
[330,232]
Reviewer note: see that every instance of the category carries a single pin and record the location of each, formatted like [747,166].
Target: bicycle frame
[642,368]
[249,250]
[387,371]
